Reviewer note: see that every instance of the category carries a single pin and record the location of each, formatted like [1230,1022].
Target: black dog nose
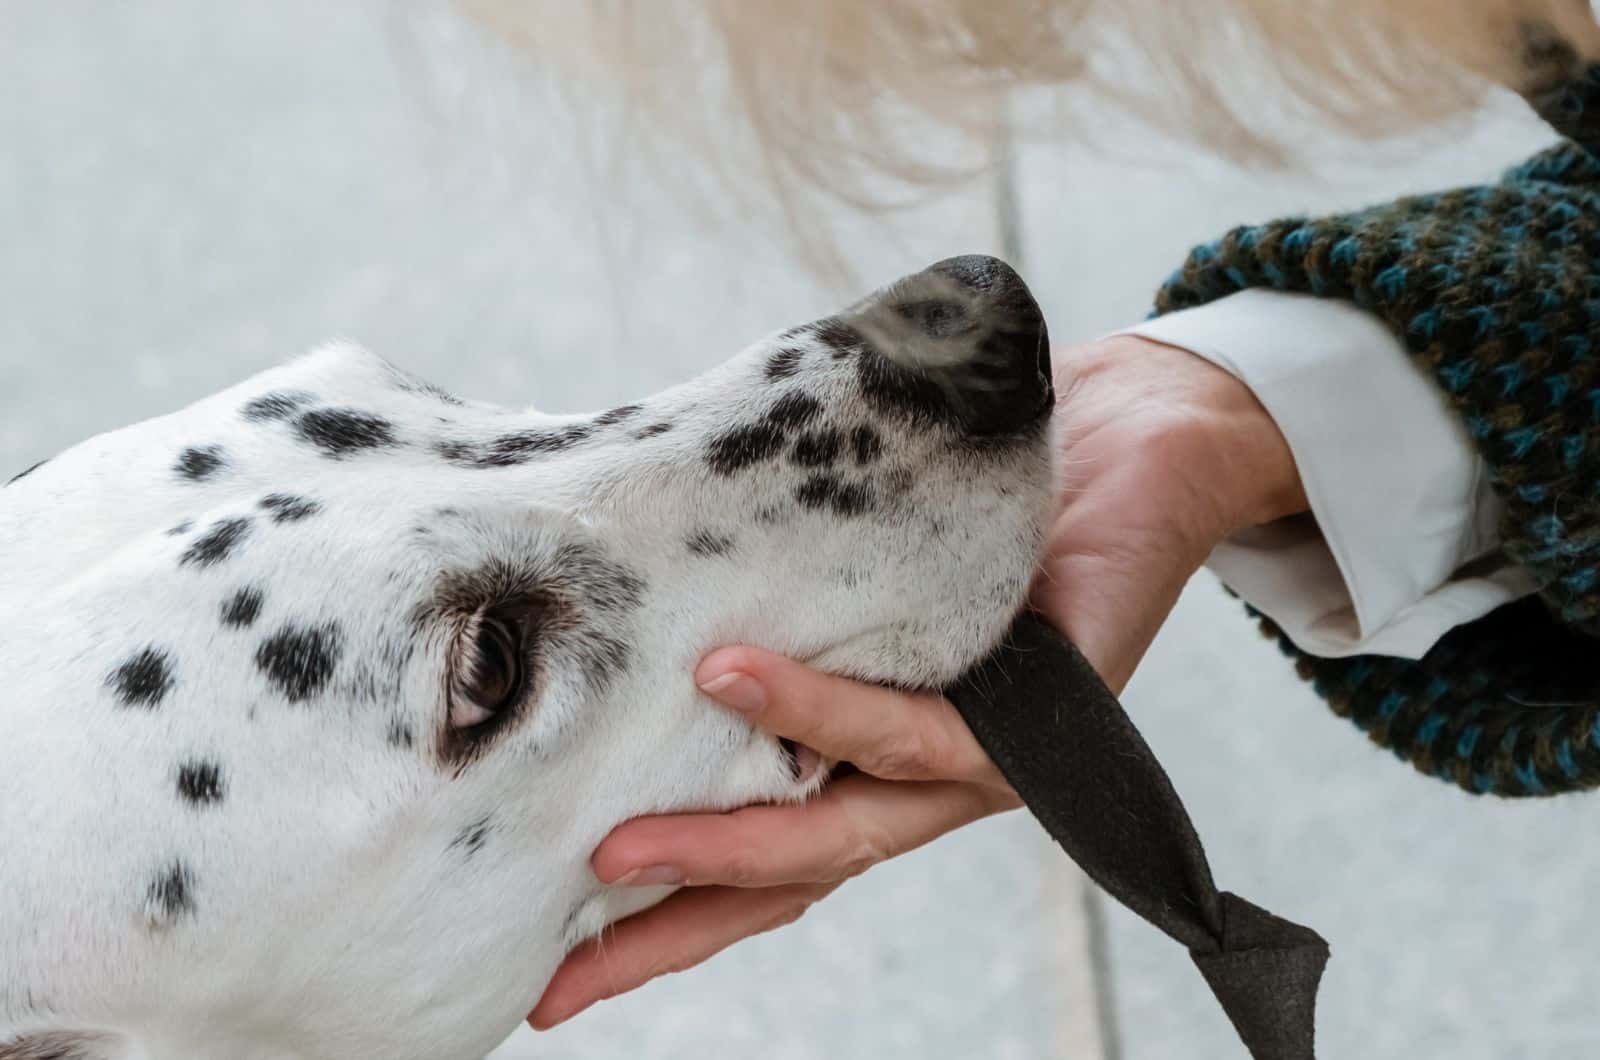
[1003,384]
[964,342]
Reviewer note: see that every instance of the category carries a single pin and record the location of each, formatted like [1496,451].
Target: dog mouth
[804,763]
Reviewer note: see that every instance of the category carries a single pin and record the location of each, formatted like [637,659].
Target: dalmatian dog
[317,694]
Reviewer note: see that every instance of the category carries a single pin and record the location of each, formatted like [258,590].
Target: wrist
[1250,463]
[1203,422]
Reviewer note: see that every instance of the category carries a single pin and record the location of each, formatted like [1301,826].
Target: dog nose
[998,380]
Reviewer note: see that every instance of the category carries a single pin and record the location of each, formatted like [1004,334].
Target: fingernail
[739,691]
[654,876]
[548,1023]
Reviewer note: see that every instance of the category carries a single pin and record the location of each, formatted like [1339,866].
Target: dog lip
[804,763]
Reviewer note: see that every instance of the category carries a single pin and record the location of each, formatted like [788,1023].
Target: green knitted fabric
[1496,291]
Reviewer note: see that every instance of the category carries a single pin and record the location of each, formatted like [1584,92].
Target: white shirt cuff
[1402,544]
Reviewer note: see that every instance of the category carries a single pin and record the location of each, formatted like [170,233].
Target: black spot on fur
[216,544]
[602,658]
[510,450]
[839,337]
[299,661]
[339,432]
[455,452]
[891,388]
[515,448]
[470,839]
[200,782]
[399,735]
[651,431]
[200,462]
[705,543]
[817,448]
[743,447]
[784,364]
[170,895]
[603,583]
[144,680]
[289,509]
[617,415]
[793,411]
[242,608]
[279,405]
[56,1045]
[363,684]
[181,529]
[829,491]
[19,478]
[866,445]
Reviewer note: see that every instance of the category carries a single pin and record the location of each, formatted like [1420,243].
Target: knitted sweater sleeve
[1495,290]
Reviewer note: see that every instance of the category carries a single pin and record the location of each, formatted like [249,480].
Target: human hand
[1165,455]
[918,774]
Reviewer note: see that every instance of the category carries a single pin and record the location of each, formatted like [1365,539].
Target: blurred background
[192,191]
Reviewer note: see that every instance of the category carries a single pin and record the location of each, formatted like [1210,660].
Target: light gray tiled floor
[192,191]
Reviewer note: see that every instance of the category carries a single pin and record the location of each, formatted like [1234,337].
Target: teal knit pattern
[1495,290]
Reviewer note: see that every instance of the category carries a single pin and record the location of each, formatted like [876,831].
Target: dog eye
[493,672]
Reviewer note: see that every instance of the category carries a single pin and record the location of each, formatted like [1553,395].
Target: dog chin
[607,906]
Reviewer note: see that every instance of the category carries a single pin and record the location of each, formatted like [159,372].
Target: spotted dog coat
[251,803]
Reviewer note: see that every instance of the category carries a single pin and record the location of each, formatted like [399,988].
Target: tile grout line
[1008,222]
[1094,912]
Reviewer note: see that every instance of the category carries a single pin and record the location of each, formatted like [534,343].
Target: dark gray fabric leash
[1073,755]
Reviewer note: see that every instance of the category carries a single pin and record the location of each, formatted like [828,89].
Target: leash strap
[1060,737]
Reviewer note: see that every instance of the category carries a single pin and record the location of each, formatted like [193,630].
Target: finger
[854,824]
[890,734]
[682,931]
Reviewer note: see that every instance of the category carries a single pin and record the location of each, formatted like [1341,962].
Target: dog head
[320,692]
